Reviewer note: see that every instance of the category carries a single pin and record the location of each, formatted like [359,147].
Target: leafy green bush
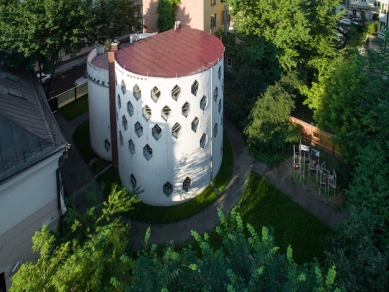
[372,28]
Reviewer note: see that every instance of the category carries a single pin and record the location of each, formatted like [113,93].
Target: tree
[166,16]
[112,19]
[87,256]
[24,30]
[269,132]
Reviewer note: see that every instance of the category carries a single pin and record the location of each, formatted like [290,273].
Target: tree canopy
[166,14]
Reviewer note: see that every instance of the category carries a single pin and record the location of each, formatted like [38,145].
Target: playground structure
[306,161]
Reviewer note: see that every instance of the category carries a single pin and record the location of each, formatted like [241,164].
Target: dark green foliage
[361,256]
[81,141]
[75,108]
[269,132]
[166,16]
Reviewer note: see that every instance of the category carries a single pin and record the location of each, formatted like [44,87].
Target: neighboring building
[369,9]
[156,111]
[32,150]
[206,15]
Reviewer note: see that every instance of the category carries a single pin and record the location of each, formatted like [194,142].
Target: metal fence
[317,137]
[71,95]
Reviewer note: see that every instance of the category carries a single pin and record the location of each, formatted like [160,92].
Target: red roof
[180,52]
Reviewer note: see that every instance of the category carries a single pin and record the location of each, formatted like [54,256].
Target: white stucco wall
[173,159]
[98,100]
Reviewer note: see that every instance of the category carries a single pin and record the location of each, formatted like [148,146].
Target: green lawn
[81,140]
[154,214]
[75,108]
[262,204]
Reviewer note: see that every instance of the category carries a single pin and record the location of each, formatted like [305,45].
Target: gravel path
[76,175]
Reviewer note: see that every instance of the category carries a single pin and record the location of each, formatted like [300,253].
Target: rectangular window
[222,17]
[213,21]
[213,2]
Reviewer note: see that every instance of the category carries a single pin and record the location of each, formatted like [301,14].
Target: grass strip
[75,108]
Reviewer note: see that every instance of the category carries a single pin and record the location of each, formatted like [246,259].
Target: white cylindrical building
[168,105]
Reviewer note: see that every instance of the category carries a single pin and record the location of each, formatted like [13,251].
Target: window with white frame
[137,92]
[213,2]
[203,140]
[213,20]
[166,111]
[215,93]
[156,132]
[124,122]
[176,130]
[185,109]
[147,152]
[121,138]
[107,145]
[131,146]
[133,181]
[167,189]
[195,124]
[119,101]
[203,102]
[187,183]
[195,88]
[146,112]
[155,93]
[123,87]
[138,129]
[215,129]
[130,108]
[176,92]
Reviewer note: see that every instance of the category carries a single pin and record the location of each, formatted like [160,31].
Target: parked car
[345,21]
[44,78]
[80,81]
[342,30]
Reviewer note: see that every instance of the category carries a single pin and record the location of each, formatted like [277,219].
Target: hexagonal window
[203,141]
[219,72]
[138,129]
[124,122]
[137,92]
[119,101]
[176,92]
[123,85]
[166,111]
[195,124]
[185,109]
[146,112]
[203,102]
[130,108]
[167,189]
[121,138]
[195,88]
[176,130]
[215,93]
[155,93]
[131,146]
[187,183]
[220,105]
[147,152]
[215,129]
[133,181]
[157,132]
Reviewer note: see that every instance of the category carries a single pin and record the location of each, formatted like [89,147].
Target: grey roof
[29,132]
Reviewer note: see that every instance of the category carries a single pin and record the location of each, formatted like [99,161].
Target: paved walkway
[77,174]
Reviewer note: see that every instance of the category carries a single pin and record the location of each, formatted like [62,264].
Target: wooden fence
[72,94]
[317,137]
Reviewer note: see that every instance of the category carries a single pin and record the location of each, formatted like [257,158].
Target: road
[65,80]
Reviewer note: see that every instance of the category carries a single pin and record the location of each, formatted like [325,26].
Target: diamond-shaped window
[187,183]
[176,92]
[147,152]
[203,102]
[121,138]
[138,129]
[167,189]
[137,92]
[185,109]
[130,108]
[146,112]
[119,101]
[176,130]
[131,146]
[123,87]
[219,72]
[157,132]
[166,111]
[215,93]
[215,129]
[195,124]
[220,105]
[155,93]
[195,88]
[203,141]
[124,122]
